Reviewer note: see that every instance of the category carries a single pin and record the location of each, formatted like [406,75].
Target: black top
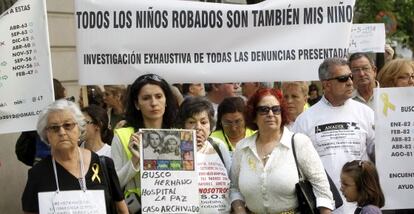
[41,179]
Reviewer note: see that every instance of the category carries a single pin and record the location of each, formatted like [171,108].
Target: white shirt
[271,188]
[339,134]
[105,151]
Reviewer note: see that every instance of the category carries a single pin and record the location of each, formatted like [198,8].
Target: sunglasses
[66,126]
[150,77]
[342,78]
[264,110]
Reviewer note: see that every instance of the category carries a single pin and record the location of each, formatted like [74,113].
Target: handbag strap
[105,172]
[294,155]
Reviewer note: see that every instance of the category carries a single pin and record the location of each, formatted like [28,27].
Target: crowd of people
[250,136]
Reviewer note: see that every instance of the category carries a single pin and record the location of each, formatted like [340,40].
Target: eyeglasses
[342,78]
[66,126]
[227,123]
[264,110]
[364,69]
[151,77]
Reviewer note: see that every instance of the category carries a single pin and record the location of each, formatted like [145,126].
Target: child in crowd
[360,183]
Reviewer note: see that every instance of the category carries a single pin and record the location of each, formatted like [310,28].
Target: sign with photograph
[169,181]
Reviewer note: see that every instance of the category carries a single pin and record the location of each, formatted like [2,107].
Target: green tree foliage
[371,11]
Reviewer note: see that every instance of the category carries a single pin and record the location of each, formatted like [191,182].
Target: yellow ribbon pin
[95,170]
[387,104]
[252,164]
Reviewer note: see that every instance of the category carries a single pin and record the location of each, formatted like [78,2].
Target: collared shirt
[358,97]
[270,188]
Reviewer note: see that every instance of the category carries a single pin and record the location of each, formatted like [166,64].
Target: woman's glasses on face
[65,126]
[264,110]
[228,123]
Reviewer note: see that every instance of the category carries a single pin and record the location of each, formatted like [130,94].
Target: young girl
[360,183]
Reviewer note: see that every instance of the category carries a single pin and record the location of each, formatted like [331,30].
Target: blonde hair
[301,84]
[390,71]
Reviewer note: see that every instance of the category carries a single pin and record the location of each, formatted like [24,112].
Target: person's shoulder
[359,105]
[370,209]
[41,166]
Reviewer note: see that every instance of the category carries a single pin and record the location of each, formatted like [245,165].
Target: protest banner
[394,128]
[187,41]
[367,38]
[25,66]
[169,181]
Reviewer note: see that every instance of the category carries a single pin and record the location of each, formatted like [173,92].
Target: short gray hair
[326,66]
[59,105]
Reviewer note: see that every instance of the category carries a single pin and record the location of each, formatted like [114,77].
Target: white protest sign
[394,128]
[169,181]
[367,38]
[74,201]
[188,41]
[25,67]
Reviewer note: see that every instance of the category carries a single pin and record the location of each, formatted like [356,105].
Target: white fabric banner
[169,181]
[367,38]
[186,41]
[25,67]
[394,129]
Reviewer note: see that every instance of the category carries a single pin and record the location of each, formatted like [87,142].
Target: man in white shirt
[341,129]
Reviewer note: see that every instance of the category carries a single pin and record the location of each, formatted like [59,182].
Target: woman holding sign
[72,178]
[150,104]
[213,158]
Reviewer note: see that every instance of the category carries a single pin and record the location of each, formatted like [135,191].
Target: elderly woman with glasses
[397,73]
[231,126]
[150,104]
[213,159]
[264,171]
[69,167]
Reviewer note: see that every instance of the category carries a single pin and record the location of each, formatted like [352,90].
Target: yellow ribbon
[95,170]
[252,164]
[387,104]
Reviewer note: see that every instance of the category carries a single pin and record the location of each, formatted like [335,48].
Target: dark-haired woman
[264,171]
[231,126]
[150,104]
[98,134]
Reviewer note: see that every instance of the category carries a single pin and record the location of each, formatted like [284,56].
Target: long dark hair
[134,117]
[100,118]
[367,182]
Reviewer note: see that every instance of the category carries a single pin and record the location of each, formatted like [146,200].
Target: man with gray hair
[340,128]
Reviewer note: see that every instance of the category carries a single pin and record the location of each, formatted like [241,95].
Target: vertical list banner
[169,180]
[394,142]
[25,66]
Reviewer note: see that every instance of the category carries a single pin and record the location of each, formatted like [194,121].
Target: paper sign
[367,38]
[25,68]
[394,130]
[169,177]
[75,201]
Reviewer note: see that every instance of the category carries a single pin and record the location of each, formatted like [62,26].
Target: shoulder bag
[304,191]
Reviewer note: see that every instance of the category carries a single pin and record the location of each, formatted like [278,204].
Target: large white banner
[25,68]
[186,41]
[394,128]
